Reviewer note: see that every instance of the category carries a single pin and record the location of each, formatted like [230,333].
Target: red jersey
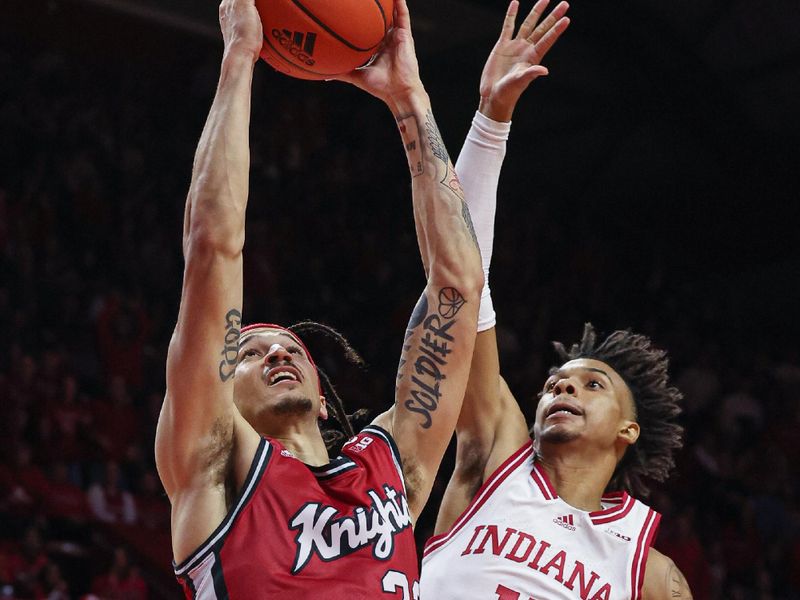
[342,530]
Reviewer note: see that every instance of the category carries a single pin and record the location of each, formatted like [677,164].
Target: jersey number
[395,581]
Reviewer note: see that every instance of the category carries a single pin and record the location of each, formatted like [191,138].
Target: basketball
[317,39]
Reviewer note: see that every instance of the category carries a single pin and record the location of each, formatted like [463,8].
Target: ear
[323,408]
[629,432]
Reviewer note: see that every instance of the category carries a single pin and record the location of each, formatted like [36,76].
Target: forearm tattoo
[467,216]
[450,179]
[432,350]
[435,138]
[439,151]
[409,130]
[230,350]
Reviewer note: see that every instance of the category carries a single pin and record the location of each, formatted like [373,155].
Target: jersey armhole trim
[257,468]
[646,538]
[188,582]
[489,486]
[395,452]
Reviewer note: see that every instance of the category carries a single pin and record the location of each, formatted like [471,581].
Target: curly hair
[657,404]
[334,436]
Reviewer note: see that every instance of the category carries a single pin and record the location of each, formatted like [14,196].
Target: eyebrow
[592,369]
[595,370]
[289,342]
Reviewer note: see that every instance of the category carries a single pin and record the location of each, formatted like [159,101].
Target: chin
[560,436]
[292,405]
[556,435]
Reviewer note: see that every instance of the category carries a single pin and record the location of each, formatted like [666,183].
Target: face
[275,379]
[586,400]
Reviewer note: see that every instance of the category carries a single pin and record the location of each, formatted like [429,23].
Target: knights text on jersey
[518,540]
[342,531]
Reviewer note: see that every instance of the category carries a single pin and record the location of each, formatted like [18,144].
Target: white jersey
[518,540]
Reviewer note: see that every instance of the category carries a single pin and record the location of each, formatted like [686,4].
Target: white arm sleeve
[478,168]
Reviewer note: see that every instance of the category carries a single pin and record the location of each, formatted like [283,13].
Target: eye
[294,350]
[250,352]
[549,385]
[595,385]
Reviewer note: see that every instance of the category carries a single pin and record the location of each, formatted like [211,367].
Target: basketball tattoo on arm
[450,302]
[435,344]
[431,328]
[230,350]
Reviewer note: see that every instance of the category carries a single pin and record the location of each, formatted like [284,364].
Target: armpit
[414,478]
[471,462]
[218,451]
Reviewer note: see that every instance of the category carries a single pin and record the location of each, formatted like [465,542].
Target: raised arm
[194,439]
[434,363]
[491,425]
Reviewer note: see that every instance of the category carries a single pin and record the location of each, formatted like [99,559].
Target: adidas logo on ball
[297,43]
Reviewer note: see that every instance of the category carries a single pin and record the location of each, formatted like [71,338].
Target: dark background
[651,183]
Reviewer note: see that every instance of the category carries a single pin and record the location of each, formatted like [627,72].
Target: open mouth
[282,374]
[564,408]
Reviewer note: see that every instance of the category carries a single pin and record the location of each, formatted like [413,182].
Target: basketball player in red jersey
[550,519]
[258,508]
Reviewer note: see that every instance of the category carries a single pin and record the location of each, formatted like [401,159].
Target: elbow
[453,257]
[209,239]
[462,271]
[215,221]
[475,280]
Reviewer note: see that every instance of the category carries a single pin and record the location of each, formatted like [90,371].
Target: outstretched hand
[394,74]
[515,59]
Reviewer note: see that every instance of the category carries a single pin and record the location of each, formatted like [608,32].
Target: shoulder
[384,420]
[375,431]
[663,580]
[373,443]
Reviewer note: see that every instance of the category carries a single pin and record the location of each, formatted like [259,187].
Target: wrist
[414,99]
[495,109]
[491,133]
[238,56]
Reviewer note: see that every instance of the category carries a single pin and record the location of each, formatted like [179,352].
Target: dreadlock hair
[334,437]
[644,369]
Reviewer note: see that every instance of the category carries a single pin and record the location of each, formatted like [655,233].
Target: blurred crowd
[96,161]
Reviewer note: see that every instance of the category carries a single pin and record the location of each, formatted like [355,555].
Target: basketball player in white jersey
[552,518]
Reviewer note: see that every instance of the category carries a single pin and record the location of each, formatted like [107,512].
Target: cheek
[605,416]
[312,380]
[539,409]
[245,381]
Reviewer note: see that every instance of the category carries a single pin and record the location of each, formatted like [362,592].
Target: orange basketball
[316,39]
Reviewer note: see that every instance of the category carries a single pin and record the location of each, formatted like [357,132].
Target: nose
[563,386]
[276,354]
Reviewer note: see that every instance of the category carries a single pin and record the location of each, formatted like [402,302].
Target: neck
[579,478]
[303,440]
